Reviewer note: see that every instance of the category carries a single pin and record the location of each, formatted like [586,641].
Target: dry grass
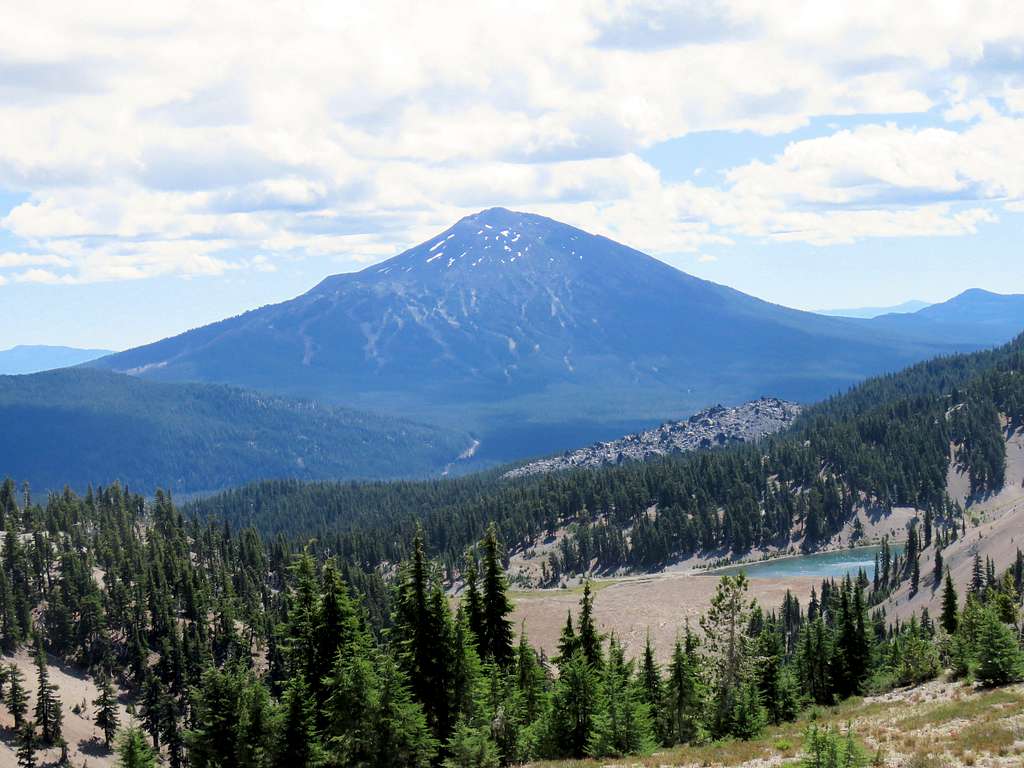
[939,725]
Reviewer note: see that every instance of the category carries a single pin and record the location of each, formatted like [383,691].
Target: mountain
[32,359]
[80,426]
[972,317]
[711,428]
[869,312]
[535,335]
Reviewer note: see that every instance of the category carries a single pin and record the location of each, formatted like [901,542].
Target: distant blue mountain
[80,426]
[32,359]
[537,336]
[973,317]
[869,312]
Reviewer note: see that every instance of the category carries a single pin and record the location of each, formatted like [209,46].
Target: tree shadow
[93,747]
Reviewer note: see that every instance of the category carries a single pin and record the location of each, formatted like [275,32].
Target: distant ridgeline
[884,443]
[78,426]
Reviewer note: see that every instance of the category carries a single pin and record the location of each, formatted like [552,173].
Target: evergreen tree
[685,695]
[48,711]
[568,643]
[623,724]
[950,607]
[17,696]
[474,603]
[471,747]
[977,577]
[402,738]
[653,693]
[576,703]
[133,751]
[27,745]
[1000,660]
[727,643]
[298,744]
[587,636]
[106,718]
[497,629]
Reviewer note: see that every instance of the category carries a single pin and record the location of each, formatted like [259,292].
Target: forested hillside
[81,426]
[233,652]
[885,443]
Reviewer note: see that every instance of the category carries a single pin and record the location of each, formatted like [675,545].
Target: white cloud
[162,140]
[13,259]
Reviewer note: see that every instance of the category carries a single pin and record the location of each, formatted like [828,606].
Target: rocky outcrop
[709,428]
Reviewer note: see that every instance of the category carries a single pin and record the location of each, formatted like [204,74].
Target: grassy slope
[937,725]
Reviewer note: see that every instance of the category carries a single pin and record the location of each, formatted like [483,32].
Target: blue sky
[176,168]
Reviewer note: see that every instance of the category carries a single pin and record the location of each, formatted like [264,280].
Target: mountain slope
[887,444]
[518,327]
[35,358]
[81,426]
[868,312]
[974,316]
[710,428]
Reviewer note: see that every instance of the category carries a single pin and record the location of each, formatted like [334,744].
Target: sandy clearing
[630,607]
[85,741]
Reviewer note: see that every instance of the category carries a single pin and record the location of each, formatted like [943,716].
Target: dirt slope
[998,534]
[85,741]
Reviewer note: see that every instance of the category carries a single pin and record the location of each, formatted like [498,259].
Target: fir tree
[48,712]
[133,751]
[1000,660]
[298,744]
[497,629]
[950,608]
[685,696]
[27,745]
[727,643]
[653,693]
[474,603]
[568,643]
[17,696]
[622,726]
[587,636]
[576,703]
[106,711]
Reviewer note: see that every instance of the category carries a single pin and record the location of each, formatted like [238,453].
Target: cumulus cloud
[169,140]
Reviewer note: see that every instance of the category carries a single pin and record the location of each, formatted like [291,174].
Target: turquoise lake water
[824,565]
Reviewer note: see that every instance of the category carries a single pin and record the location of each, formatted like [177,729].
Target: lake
[824,564]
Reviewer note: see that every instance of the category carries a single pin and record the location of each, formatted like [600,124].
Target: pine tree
[568,643]
[530,679]
[17,696]
[402,738]
[576,703]
[497,629]
[133,751]
[474,603]
[1000,660]
[623,724]
[27,745]
[724,626]
[685,697]
[950,608]
[587,636]
[653,693]
[298,744]
[48,711]
[977,577]
[471,747]
[749,715]
[106,711]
